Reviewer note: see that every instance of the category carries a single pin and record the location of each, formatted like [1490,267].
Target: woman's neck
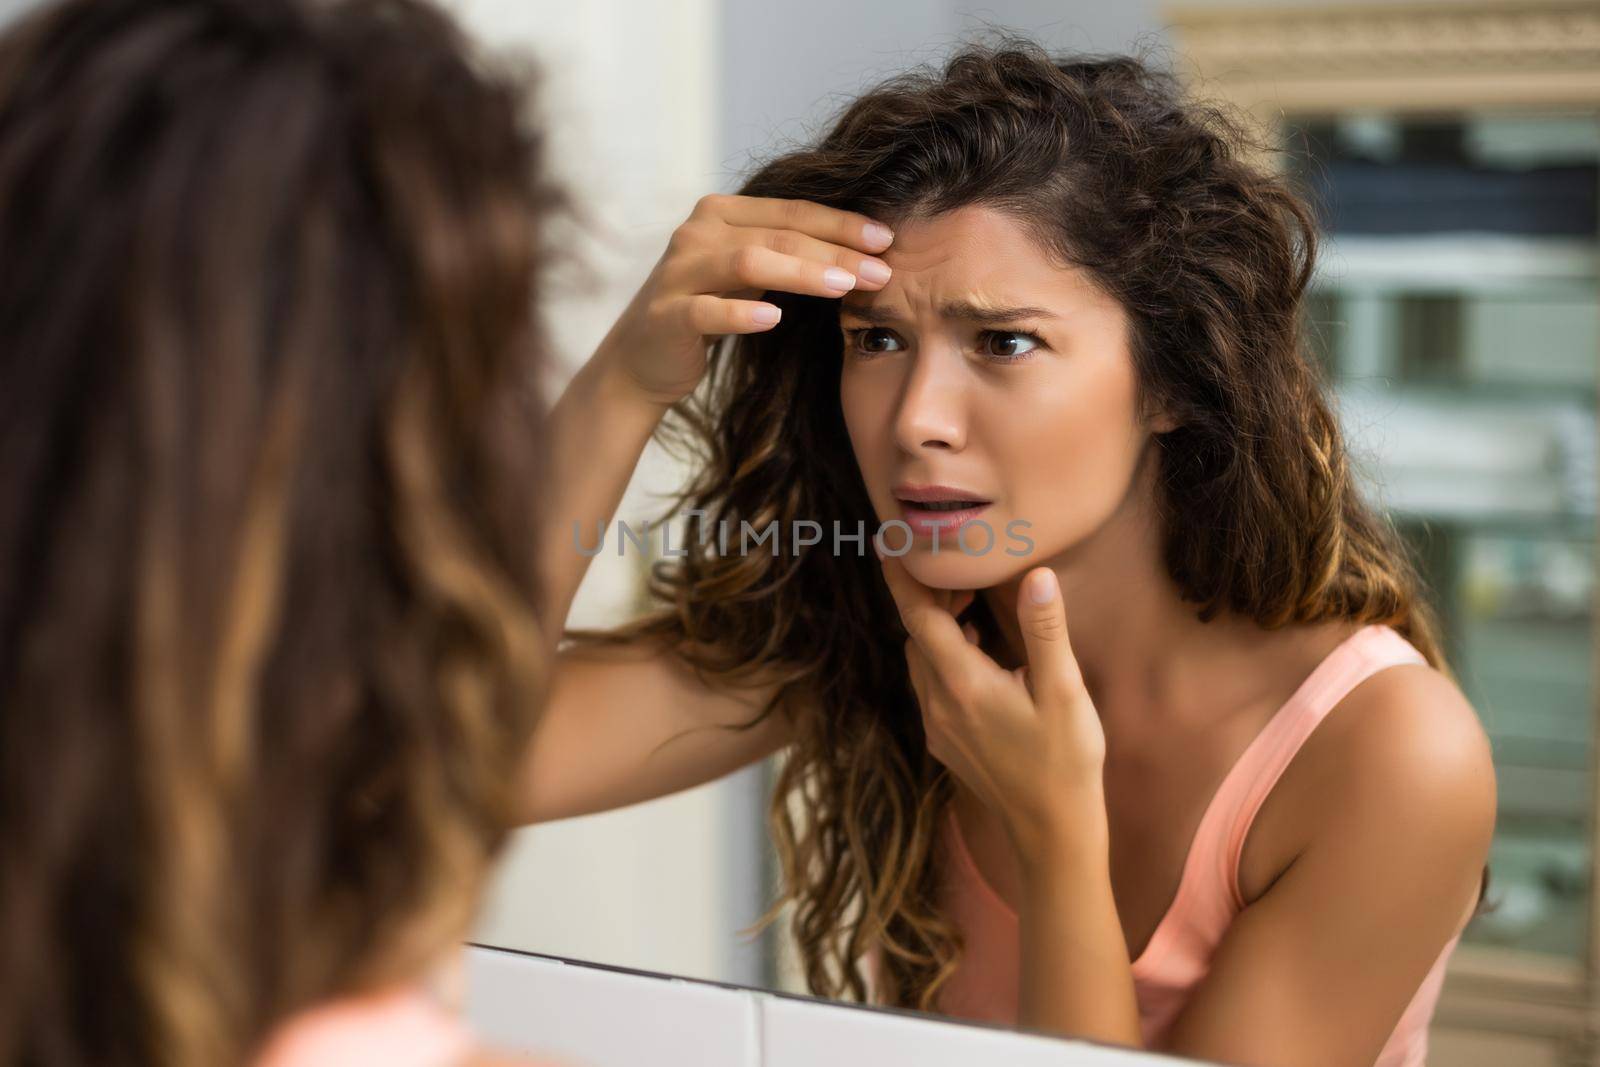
[1139,645]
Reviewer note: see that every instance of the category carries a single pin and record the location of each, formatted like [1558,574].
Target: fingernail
[766,314]
[876,233]
[874,271]
[1042,586]
[835,278]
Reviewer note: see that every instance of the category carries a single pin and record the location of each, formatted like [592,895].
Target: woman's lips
[924,521]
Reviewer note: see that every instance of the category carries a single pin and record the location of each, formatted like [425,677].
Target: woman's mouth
[944,516]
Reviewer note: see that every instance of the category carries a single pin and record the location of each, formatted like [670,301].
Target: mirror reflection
[1450,315]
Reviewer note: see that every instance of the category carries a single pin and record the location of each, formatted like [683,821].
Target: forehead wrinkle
[978,311]
[960,274]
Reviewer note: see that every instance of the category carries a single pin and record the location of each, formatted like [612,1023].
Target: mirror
[1481,446]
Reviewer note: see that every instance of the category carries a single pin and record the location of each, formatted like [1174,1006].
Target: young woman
[1242,811]
[268,457]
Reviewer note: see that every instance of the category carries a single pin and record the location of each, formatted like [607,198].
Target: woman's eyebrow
[872,316]
[959,310]
[991,315]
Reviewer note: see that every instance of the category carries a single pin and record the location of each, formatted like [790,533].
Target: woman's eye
[1008,344]
[874,340]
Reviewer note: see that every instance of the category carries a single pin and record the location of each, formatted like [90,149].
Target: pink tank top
[984,985]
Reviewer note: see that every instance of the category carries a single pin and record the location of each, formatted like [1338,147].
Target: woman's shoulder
[1398,714]
[1392,686]
[1403,743]
[1406,727]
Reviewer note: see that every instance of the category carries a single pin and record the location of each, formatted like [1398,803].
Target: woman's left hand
[1028,742]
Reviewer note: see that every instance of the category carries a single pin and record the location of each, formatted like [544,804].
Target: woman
[269,452]
[1085,334]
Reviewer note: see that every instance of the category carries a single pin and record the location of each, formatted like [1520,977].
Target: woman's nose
[932,411]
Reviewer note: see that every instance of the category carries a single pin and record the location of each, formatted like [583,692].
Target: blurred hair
[270,433]
[1157,199]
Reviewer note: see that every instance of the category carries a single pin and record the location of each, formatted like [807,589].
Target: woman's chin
[951,568]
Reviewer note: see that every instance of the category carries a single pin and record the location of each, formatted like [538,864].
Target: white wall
[787,67]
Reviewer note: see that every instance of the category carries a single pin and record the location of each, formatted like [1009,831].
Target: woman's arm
[1319,969]
[596,433]
[627,724]
[621,725]
[731,248]
[1030,744]
[619,728]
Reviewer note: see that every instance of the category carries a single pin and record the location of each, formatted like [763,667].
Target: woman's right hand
[717,264]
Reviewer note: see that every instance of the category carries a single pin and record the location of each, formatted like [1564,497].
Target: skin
[1052,734]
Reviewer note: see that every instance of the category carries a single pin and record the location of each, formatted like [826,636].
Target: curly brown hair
[270,433]
[1158,198]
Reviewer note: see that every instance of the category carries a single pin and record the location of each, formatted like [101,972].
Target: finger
[1042,617]
[933,628]
[908,593]
[830,224]
[703,269]
[929,696]
[870,271]
[917,668]
[922,682]
[715,315]
[754,266]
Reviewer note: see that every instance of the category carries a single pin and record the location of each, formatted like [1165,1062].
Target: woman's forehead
[972,263]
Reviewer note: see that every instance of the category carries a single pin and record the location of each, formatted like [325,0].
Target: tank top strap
[1361,655]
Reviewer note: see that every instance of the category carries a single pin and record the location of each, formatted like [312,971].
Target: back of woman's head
[1158,199]
[269,434]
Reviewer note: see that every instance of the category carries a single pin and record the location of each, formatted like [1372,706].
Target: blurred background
[1454,149]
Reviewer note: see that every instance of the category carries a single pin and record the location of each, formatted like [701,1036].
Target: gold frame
[1411,57]
[1420,58]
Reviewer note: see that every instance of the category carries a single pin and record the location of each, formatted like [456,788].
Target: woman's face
[986,366]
